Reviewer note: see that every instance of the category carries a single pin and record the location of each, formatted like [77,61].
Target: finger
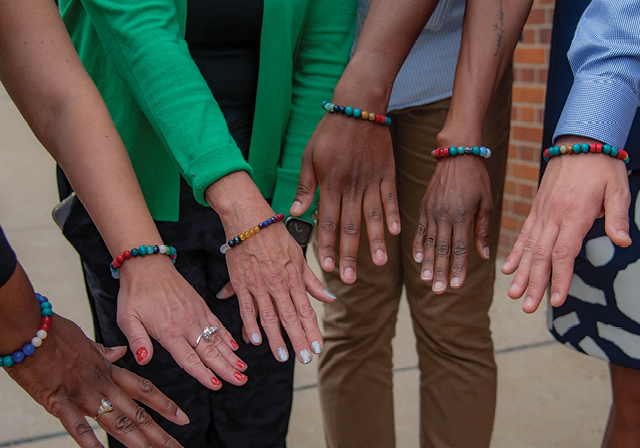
[271,325]
[248,313]
[540,270]
[222,331]
[306,316]
[521,280]
[372,208]
[217,356]
[315,287]
[482,228]
[460,253]
[245,338]
[226,292]
[307,186]
[350,220]
[188,359]
[111,354]
[77,426]
[513,260]
[390,202]
[443,257]
[429,251]
[419,237]
[616,215]
[139,341]
[328,217]
[143,390]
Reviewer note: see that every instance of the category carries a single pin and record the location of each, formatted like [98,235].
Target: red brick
[525,191]
[529,36]
[512,152]
[528,94]
[527,154]
[527,134]
[524,75]
[509,187]
[508,223]
[537,15]
[541,75]
[514,113]
[527,113]
[522,171]
[545,36]
[521,207]
[530,55]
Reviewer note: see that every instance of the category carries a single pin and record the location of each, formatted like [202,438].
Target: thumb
[315,288]
[482,231]
[616,218]
[111,354]
[139,341]
[306,191]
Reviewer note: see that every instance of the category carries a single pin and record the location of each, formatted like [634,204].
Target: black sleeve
[7,259]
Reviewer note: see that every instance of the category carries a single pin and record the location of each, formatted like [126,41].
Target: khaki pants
[457,367]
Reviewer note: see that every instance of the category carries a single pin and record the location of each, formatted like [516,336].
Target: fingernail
[395,227]
[182,416]
[141,354]
[514,287]
[555,299]
[506,265]
[438,286]
[240,364]
[234,344]
[349,275]
[455,281]
[327,264]
[316,347]
[305,356]
[486,252]
[426,275]
[282,354]
[239,376]
[221,293]
[255,338]
[245,338]
[418,257]
[528,302]
[215,381]
[296,207]
[380,256]
[331,295]
[623,235]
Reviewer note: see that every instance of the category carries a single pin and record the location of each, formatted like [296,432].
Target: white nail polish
[331,295]
[315,346]
[282,354]
[221,293]
[255,337]
[305,356]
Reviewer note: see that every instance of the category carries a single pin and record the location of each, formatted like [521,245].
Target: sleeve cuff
[598,108]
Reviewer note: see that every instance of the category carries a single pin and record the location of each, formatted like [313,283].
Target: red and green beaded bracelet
[585,148]
[141,252]
[453,151]
[356,113]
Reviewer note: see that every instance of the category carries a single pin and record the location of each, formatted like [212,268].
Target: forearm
[490,33]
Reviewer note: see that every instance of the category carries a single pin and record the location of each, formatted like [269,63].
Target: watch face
[299,229]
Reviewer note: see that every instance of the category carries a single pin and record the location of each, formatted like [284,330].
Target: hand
[575,190]
[155,300]
[458,193]
[268,271]
[354,165]
[69,375]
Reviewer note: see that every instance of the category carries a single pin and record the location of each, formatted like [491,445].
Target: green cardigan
[166,115]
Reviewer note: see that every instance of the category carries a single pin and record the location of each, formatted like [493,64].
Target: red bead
[45,327]
[116,264]
[622,154]
[126,254]
[598,147]
[46,320]
[546,152]
[120,259]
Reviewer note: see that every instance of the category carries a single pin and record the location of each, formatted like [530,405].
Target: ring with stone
[105,406]
[206,335]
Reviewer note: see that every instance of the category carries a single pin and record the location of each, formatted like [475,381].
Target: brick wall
[530,76]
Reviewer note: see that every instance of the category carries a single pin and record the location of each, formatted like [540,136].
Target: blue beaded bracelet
[141,251]
[356,113]
[29,348]
[578,148]
[481,151]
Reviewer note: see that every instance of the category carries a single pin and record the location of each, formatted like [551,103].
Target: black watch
[300,229]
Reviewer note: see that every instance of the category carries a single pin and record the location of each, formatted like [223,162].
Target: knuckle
[141,417]
[307,312]
[457,269]
[540,253]
[443,249]
[211,353]
[376,241]
[484,234]
[57,401]
[391,197]
[350,229]
[170,442]
[374,215]
[561,251]
[460,249]
[530,245]
[349,257]
[268,317]
[82,428]
[246,309]
[421,230]
[328,226]
[145,386]
[430,242]
[123,424]
[289,316]
[303,190]
[192,359]
[439,273]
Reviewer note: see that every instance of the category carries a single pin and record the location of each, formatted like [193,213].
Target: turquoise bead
[614,151]
[357,113]
[47,312]
[453,151]
[173,251]
[577,148]
[460,149]
[348,111]
[585,147]
[475,150]
[150,250]
[142,251]
[546,159]
[324,103]
[45,305]
[7,361]
[606,149]
[388,121]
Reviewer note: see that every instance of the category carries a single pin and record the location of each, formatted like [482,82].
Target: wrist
[372,95]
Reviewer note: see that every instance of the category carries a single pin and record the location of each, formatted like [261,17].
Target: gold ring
[105,406]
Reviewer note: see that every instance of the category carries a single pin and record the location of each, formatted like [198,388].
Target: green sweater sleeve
[323,53]
[144,41]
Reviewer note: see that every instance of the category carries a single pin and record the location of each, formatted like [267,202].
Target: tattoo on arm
[499,28]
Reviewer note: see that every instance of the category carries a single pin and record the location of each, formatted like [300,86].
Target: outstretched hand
[458,199]
[575,190]
[69,375]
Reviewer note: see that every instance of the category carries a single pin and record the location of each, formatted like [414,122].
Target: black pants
[253,415]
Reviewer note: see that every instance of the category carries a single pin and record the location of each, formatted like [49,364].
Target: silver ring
[206,335]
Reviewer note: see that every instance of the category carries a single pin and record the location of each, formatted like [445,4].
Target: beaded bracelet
[356,113]
[481,151]
[29,348]
[584,148]
[141,251]
[249,233]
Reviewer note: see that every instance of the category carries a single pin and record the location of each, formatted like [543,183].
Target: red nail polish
[239,376]
[215,381]
[141,354]
[234,344]
[240,364]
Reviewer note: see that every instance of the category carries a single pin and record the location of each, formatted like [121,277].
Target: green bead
[47,312]
[44,305]
[460,149]
[7,361]
[585,147]
[475,150]
[614,151]
[606,149]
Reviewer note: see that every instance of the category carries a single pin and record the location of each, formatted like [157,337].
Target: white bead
[41,334]
[488,153]
[162,248]
[37,342]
